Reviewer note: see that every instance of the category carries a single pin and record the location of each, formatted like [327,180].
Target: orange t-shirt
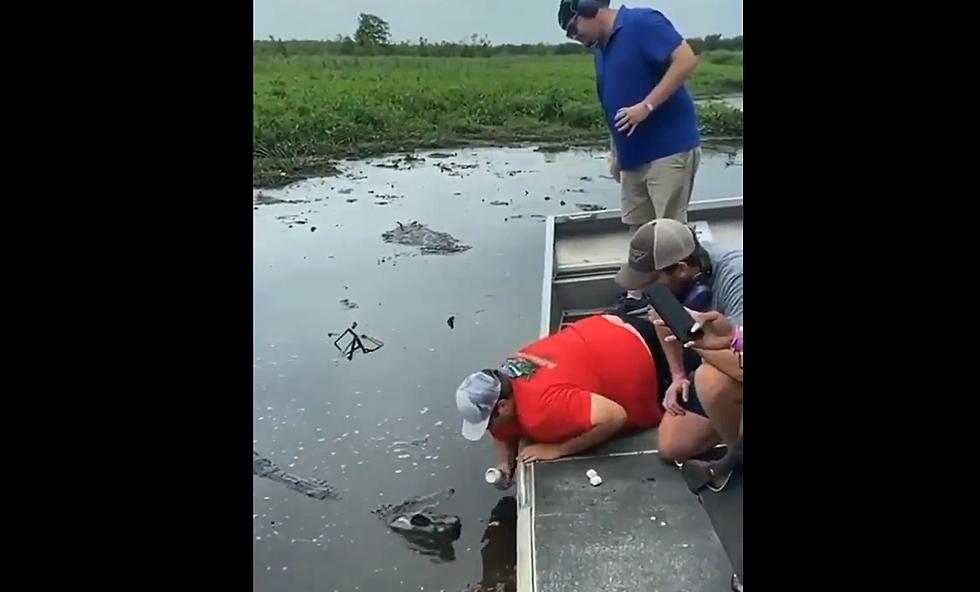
[594,355]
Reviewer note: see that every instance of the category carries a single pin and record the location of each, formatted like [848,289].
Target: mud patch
[552,148]
[308,486]
[430,242]
[402,163]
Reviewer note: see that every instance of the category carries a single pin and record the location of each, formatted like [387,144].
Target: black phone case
[672,312]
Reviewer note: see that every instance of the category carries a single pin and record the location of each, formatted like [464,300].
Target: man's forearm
[597,435]
[505,453]
[679,70]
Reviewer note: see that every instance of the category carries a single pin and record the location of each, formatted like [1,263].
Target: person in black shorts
[691,362]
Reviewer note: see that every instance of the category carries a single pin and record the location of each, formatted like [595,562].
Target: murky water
[382,427]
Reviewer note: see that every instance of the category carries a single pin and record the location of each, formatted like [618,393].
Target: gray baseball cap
[656,245]
[475,399]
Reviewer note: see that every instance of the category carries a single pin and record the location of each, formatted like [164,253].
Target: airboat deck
[641,529]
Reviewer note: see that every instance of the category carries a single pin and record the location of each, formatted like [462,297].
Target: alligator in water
[426,532]
[430,242]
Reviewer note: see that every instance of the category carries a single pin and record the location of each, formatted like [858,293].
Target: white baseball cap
[475,399]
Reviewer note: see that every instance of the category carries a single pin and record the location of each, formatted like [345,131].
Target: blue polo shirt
[627,68]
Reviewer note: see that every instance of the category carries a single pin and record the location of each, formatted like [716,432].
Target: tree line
[373,37]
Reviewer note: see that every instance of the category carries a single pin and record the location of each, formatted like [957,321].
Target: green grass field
[309,109]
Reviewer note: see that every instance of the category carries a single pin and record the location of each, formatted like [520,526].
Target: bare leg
[721,397]
[682,436]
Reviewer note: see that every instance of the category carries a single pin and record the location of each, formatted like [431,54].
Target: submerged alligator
[309,486]
[426,532]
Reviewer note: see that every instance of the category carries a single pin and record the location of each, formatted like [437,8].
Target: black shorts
[691,362]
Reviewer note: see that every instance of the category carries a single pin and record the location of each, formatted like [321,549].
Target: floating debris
[498,202]
[589,207]
[357,342]
[402,163]
[451,321]
[348,303]
[418,443]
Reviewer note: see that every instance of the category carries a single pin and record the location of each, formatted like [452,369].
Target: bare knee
[679,445]
[714,385]
[671,451]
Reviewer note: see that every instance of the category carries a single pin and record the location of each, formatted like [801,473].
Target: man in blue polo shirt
[641,64]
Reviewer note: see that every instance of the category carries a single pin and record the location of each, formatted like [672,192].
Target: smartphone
[673,313]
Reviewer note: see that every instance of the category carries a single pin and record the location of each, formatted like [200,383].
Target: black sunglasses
[572,29]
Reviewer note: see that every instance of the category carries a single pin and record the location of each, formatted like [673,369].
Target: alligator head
[428,533]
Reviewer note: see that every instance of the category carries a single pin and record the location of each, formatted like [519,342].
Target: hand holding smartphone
[672,312]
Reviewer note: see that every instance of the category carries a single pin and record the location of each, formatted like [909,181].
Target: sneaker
[633,306]
[698,474]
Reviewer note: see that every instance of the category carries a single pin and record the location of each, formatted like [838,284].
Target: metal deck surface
[641,529]
[724,508]
[609,246]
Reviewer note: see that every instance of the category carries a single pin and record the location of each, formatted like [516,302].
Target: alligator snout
[440,526]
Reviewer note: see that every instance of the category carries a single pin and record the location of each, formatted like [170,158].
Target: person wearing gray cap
[568,391]
[703,406]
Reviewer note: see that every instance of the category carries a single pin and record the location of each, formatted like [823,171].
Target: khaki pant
[659,189]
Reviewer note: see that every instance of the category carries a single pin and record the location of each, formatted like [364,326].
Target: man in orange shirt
[569,391]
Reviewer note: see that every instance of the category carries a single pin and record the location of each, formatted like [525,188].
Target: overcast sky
[503,21]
